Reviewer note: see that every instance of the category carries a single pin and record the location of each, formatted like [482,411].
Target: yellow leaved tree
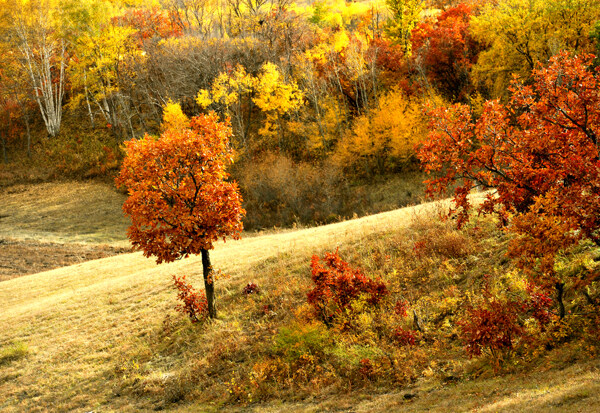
[383,140]
[173,117]
[236,94]
[522,33]
[231,95]
[276,98]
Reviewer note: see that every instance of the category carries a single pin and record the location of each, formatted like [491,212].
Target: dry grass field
[70,337]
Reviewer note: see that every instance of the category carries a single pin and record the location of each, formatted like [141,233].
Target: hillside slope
[80,323]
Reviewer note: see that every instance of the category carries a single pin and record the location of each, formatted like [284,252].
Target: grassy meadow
[103,335]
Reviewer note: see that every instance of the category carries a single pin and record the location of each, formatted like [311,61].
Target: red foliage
[194,303]
[495,323]
[544,142]
[404,337]
[179,200]
[366,369]
[492,325]
[393,66]
[401,308]
[540,152]
[446,50]
[538,305]
[337,285]
[150,23]
[251,288]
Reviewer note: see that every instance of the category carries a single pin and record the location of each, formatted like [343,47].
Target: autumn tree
[97,70]
[405,14]
[43,55]
[540,153]
[445,51]
[180,201]
[383,139]
[520,33]
[237,93]
[231,94]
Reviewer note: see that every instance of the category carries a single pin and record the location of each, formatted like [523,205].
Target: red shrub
[366,369]
[404,337]
[539,305]
[493,325]
[401,308]
[337,285]
[194,302]
[251,288]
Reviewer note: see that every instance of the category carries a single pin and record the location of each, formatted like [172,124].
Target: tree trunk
[4,150]
[209,285]
[559,298]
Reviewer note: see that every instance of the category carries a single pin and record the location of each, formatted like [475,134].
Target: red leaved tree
[445,50]
[540,152]
[179,200]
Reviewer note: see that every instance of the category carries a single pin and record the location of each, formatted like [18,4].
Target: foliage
[492,326]
[445,51]
[173,117]
[405,14]
[522,33]
[149,23]
[337,285]
[236,93]
[179,200]
[280,192]
[497,321]
[383,140]
[297,342]
[97,74]
[526,161]
[34,27]
[404,337]
[251,288]
[193,302]
[540,152]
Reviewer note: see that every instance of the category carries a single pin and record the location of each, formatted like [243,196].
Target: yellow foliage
[274,93]
[173,117]
[276,98]
[521,33]
[340,40]
[383,139]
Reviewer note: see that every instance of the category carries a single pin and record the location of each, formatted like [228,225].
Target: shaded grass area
[80,212]
[90,211]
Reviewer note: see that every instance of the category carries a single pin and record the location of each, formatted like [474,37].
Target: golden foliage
[173,117]
[383,140]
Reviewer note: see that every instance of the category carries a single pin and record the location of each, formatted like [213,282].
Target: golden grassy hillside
[103,336]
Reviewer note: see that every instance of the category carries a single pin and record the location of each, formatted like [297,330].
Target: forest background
[327,100]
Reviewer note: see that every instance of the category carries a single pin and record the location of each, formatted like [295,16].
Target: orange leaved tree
[179,200]
[540,152]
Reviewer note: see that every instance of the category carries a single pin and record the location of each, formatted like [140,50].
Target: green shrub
[298,341]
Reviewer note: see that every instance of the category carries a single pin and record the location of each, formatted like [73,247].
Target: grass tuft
[12,352]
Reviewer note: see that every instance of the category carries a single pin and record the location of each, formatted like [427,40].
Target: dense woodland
[319,95]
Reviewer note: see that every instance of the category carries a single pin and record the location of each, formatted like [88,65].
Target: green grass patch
[12,352]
